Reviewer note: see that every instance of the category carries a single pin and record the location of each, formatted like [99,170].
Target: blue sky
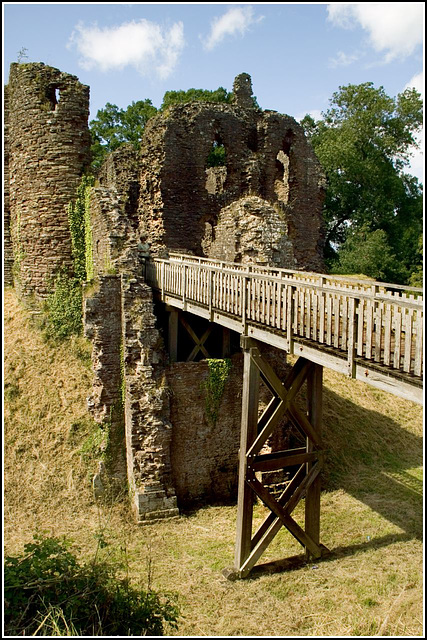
[297,54]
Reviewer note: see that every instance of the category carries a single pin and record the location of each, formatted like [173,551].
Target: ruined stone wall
[184,204]
[49,150]
[204,455]
[7,240]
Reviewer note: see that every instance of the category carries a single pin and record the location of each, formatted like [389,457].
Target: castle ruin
[262,206]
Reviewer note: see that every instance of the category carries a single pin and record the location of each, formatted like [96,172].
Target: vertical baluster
[378,330]
[387,333]
[397,337]
[369,327]
[418,343]
[360,326]
[344,322]
[329,318]
[408,340]
[337,305]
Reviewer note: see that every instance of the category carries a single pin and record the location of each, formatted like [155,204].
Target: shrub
[47,592]
[64,308]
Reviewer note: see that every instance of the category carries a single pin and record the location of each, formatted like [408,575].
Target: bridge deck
[367,330]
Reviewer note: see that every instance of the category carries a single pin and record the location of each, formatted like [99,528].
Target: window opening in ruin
[253,140]
[281,183]
[217,155]
[53,95]
[216,169]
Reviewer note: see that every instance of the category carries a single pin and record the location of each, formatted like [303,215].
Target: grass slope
[371,507]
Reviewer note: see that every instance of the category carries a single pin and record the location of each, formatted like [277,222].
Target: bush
[47,592]
[64,308]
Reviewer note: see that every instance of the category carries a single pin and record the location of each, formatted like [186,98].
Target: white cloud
[395,28]
[416,166]
[234,21]
[144,45]
[343,59]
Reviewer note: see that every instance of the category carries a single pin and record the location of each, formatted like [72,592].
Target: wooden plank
[250,395]
[387,333]
[378,330]
[328,319]
[408,340]
[282,459]
[337,321]
[352,331]
[418,364]
[360,326]
[369,328]
[397,337]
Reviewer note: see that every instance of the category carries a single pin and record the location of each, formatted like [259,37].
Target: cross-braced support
[309,459]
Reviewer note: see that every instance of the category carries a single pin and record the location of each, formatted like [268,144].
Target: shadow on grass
[370,456]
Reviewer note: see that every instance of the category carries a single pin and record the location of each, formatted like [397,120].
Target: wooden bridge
[366,330]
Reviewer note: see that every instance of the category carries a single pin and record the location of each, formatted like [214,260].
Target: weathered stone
[48,148]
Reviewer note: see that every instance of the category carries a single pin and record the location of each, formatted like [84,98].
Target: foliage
[217,156]
[215,385]
[196,95]
[78,222]
[113,127]
[364,143]
[46,589]
[367,252]
[64,308]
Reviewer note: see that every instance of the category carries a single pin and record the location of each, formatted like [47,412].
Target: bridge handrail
[372,289]
[381,329]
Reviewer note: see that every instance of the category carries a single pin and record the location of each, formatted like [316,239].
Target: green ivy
[64,308]
[215,385]
[80,229]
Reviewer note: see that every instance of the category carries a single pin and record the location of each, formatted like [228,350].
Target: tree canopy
[363,143]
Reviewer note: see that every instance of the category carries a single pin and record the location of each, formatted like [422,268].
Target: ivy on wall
[215,384]
[64,305]
[81,231]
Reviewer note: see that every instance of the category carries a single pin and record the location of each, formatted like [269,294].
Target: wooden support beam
[251,380]
[305,482]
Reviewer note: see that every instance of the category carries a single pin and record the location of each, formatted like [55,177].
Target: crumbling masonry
[262,205]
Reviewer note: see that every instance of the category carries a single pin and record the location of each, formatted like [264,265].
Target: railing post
[184,284]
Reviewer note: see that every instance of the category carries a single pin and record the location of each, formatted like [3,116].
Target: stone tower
[47,147]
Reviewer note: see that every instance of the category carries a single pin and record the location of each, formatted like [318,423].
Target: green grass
[371,508]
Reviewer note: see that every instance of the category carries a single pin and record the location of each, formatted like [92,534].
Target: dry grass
[371,509]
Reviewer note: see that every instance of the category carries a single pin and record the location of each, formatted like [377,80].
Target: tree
[364,143]
[113,127]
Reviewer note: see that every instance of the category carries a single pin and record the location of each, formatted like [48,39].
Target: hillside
[371,506]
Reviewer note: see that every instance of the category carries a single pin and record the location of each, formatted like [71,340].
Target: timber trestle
[309,459]
[368,331]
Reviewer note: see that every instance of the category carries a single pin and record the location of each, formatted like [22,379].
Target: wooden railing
[361,320]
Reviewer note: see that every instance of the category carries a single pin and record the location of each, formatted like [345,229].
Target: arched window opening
[216,168]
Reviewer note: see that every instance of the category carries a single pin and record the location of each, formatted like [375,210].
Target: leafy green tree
[113,127]
[363,143]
